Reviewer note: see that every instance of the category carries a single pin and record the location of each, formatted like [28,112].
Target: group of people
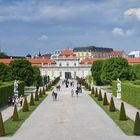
[12,100]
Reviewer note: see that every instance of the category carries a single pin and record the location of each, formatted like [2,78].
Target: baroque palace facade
[67,64]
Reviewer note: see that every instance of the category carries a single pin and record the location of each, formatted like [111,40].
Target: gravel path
[69,118]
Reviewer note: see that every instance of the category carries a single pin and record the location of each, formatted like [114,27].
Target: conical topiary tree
[40,94]
[25,105]
[96,93]
[32,100]
[122,116]
[2,130]
[46,87]
[36,96]
[15,116]
[44,91]
[100,96]
[89,87]
[92,91]
[112,105]
[105,101]
[136,130]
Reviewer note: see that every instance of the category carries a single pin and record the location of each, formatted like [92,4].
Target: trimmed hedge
[7,89]
[130,93]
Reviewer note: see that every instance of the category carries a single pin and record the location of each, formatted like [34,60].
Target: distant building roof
[91,60]
[34,61]
[92,48]
[135,54]
[67,53]
[28,55]
[116,53]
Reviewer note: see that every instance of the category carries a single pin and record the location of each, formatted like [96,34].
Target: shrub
[25,105]
[2,130]
[105,101]
[44,91]
[36,96]
[122,116]
[15,116]
[96,93]
[32,100]
[92,92]
[40,94]
[136,130]
[112,105]
[100,96]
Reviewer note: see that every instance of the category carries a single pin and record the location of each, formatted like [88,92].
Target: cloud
[133,12]
[43,38]
[121,32]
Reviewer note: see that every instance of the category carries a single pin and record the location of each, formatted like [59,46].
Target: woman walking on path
[72,92]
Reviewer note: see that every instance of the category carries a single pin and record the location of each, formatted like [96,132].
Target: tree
[32,100]
[100,96]
[92,91]
[2,71]
[15,116]
[96,71]
[114,68]
[96,93]
[2,130]
[22,70]
[105,101]
[25,105]
[37,76]
[112,105]
[36,96]
[122,116]
[136,130]
[136,70]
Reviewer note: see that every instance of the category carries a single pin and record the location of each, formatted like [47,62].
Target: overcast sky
[27,26]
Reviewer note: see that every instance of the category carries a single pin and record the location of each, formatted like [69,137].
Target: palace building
[92,52]
[67,64]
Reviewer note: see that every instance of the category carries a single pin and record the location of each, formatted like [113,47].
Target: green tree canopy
[136,70]
[37,76]
[22,70]
[114,68]
[5,72]
[96,71]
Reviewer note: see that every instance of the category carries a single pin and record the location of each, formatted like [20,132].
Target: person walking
[21,98]
[77,92]
[53,95]
[72,92]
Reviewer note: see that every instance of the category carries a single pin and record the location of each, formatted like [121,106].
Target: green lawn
[11,127]
[125,126]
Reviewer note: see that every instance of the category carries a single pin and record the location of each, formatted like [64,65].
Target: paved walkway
[130,110]
[69,119]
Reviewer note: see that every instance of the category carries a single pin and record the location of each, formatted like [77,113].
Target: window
[60,64]
[67,64]
[74,64]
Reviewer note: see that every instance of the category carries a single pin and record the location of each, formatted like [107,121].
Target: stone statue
[118,89]
[15,87]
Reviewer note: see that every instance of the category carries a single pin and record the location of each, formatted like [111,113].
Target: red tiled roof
[6,61]
[67,53]
[116,53]
[133,60]
[91,60]
[34,61]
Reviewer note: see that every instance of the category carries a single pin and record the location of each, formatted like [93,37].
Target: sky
[30,26]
